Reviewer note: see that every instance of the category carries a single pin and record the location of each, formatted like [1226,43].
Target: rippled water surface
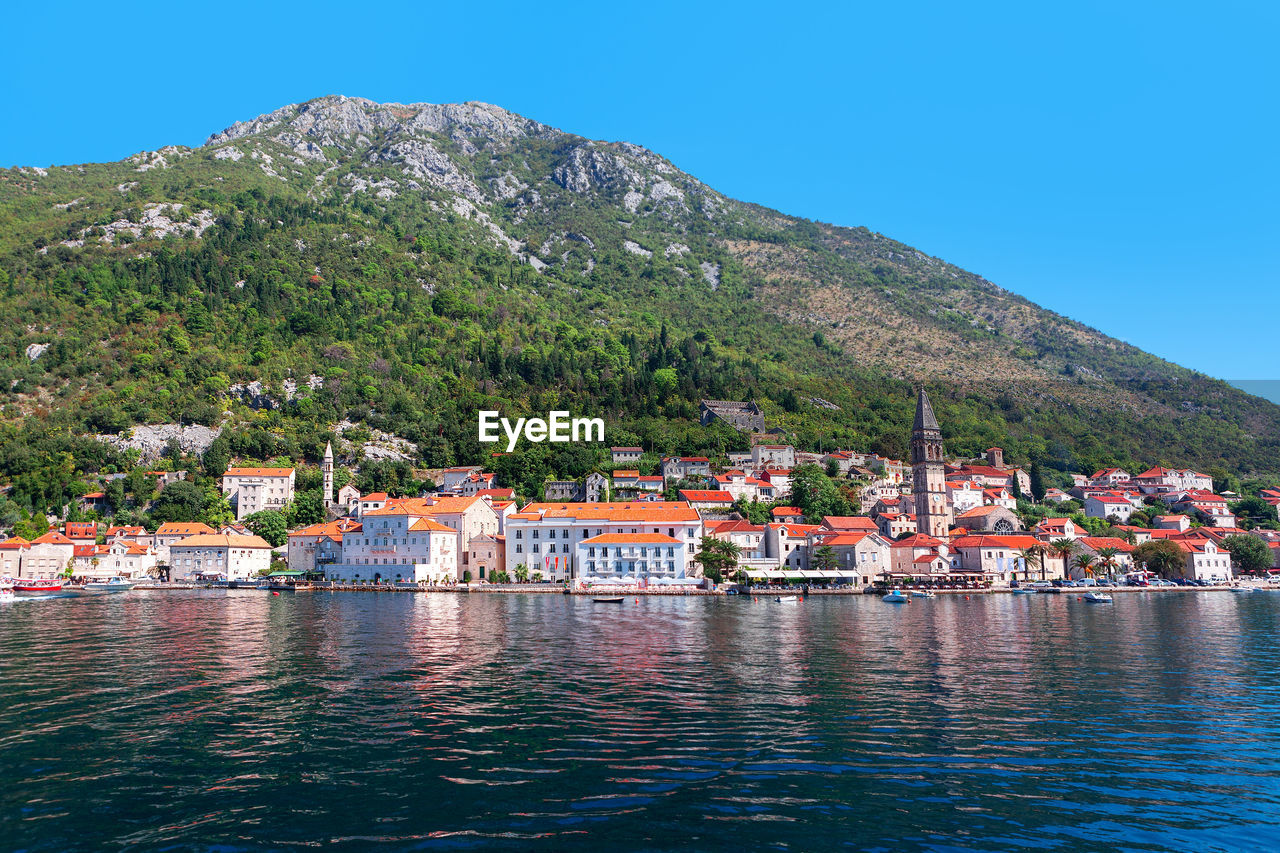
[242,721]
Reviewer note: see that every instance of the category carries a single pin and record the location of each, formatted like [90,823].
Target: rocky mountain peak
[336,120]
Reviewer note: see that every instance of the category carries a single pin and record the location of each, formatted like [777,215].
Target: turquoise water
[228,721]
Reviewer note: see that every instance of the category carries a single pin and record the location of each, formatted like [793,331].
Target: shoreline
[692,593]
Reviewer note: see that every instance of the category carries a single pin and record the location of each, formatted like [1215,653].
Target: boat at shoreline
[37,586]
[922,593]
[895,597]
[116,584]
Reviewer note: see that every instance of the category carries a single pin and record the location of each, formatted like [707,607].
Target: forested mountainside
[390,269]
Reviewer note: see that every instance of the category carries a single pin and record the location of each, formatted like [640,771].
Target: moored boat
[608,599]
[116,584]
[1022,590]
[287,586]
[787,599]
[1098,597]
[896,596]
[37,586]
[922,593]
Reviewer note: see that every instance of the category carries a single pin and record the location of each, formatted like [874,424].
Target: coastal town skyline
[934,520]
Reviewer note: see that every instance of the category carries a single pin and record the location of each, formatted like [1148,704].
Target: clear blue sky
[1115,162]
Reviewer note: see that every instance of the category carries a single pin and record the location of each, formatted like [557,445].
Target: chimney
[995,457]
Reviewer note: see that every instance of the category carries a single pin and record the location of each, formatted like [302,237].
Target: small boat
[608,599]
[896,597]
[6,592]
[287,586]
[787,599]
[1022,590]
[922,593]
[116,584]
[1098,597]
[37,586]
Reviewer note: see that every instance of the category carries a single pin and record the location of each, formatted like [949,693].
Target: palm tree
[1062,548]
[1032,552]
[717,557]
[1107,560]
[1085,563]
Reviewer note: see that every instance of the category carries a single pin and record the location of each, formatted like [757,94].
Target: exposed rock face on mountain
[452,148]
[153,440]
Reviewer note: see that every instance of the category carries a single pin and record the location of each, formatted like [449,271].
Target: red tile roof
[917,540]
[221,540]
[1015,542]
[638,511]
[628,538]
[496,493]
[705,496]
[177,528]
[1096,542]
[733,526]
[332,529]
[423,525]
[842,538]
[848,522]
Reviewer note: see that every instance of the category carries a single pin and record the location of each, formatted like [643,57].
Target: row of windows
[389,541]
[629,566]
[622,552]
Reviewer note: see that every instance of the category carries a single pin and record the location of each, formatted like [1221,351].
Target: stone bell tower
[929,483]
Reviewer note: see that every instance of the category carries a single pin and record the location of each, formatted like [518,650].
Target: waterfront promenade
[558,589]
